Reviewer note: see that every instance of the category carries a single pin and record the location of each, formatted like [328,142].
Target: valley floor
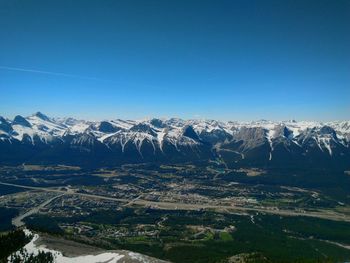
[179,213]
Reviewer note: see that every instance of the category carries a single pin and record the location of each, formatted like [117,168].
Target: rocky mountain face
[41,139]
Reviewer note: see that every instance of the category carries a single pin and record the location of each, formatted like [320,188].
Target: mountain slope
[41,139]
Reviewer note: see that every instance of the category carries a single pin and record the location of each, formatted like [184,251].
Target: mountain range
[39,139]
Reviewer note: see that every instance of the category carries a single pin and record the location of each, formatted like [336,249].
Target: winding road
[18,221]
[183,206]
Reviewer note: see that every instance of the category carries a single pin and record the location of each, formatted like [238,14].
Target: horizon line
[168,118]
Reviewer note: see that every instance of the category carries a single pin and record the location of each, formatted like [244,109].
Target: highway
[18,221]
[185,206]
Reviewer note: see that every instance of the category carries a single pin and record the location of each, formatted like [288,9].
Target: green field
[272,238]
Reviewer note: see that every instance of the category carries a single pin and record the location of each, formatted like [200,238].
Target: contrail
[75,76]
[52,73]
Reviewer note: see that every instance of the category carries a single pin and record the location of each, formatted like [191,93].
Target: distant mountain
[41,139]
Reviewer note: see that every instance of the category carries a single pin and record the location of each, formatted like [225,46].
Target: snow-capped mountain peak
[162,139]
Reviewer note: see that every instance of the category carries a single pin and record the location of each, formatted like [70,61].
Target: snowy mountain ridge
[166,138]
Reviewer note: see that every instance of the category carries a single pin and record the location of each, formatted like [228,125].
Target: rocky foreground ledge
[66,251]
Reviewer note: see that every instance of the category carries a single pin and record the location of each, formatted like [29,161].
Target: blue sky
[228,60]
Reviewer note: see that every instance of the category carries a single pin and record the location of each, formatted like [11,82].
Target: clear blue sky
[229,60]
